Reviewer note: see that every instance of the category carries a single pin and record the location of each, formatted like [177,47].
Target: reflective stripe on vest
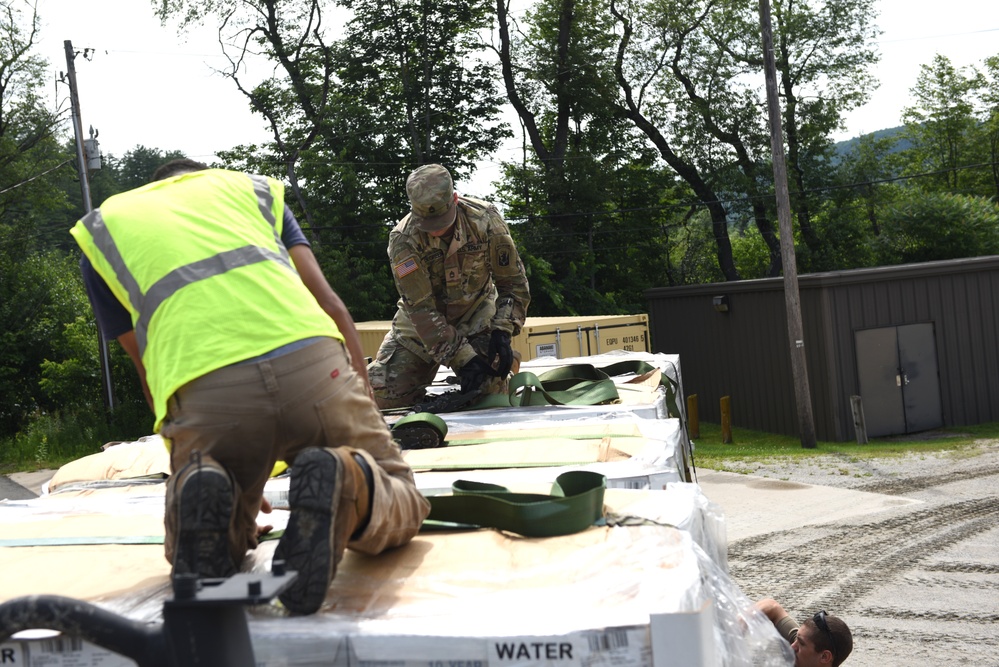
[146,304]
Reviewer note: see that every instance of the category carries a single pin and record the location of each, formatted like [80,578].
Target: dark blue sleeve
[112,317]
[291,231]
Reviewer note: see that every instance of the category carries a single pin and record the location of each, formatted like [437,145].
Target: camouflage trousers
[399,377]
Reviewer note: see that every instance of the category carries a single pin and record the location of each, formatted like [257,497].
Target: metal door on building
[899,379]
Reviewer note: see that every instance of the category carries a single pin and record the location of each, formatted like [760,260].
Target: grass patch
[52,440]
[757,446]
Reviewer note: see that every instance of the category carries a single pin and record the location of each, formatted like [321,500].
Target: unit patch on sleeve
[405,267]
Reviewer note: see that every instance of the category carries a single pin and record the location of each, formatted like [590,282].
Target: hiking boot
[204,513]
[329,499]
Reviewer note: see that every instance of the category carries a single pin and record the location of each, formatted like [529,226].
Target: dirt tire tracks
[866,555]
[918,580]
[899,487]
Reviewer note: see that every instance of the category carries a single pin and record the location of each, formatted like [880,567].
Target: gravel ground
[918,585]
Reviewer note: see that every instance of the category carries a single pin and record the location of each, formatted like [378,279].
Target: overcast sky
[144,84]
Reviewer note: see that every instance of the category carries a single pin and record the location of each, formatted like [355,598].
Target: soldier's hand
[474,374]
[499,344]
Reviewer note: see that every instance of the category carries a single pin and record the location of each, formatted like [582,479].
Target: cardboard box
[562,337]
[680,639]
[557,337]
[372,334]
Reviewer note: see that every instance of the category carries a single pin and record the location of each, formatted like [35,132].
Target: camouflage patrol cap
[431,195]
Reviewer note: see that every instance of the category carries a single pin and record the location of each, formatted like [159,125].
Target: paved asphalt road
[13,491]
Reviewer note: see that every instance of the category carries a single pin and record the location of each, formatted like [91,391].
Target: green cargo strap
[420,430]
[575,384]
[639,367]
[576,503]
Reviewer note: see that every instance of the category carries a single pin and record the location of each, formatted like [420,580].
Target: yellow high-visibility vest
[198,261]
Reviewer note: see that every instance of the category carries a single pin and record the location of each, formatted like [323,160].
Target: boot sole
[305,545]
[206,506]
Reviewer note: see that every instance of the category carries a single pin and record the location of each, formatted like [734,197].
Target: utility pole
[82,168]
[792,300]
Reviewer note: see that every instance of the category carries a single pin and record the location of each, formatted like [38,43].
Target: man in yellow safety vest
[247,357]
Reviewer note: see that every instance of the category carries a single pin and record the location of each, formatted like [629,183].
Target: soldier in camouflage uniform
[462,294]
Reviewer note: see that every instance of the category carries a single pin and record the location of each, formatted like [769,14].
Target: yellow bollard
[693,421]
[726,419]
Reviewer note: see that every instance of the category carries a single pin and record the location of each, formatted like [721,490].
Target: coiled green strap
[575,503]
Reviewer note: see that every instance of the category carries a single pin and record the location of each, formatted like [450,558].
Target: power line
[617,211]
[31,178]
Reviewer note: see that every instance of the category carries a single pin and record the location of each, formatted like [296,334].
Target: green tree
[351,114]
[823,52]
[589,195]
[29,150]
[990,121]
[135,168]
[658,44]
[939,225]
[38,294]
[692,258]
[942,126]
[700,68]
[116,175]
[861,173]
[34,298]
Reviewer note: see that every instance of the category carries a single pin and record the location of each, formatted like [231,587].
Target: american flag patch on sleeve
[405,267]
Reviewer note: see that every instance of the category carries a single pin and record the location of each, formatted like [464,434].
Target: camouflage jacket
[448,292]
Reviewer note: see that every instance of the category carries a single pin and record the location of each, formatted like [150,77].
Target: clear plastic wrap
[598,598]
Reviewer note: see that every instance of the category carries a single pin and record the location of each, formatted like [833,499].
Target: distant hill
[844,147]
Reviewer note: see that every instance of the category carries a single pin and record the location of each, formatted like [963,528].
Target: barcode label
[638,483]
[61,645]
[66,651]
[608,640]
[633,483]
[278,498]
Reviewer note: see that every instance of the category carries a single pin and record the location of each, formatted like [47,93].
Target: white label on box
[536,651]
[61,651]
[635,483]
[546,350]
[619,647]
[652,481]
[413,651]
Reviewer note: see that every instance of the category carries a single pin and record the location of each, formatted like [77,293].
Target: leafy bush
[751,254]
[52,439]
[935,226]
[51,398]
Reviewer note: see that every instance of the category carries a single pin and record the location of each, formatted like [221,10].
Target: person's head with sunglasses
[822,640]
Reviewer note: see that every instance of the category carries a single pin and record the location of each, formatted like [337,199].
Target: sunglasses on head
[821,624]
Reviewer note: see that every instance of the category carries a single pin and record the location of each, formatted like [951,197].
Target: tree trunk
[686,171]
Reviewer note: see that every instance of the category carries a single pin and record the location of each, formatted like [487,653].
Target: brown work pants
[244,418]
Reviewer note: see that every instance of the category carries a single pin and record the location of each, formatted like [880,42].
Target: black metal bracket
[203,624]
